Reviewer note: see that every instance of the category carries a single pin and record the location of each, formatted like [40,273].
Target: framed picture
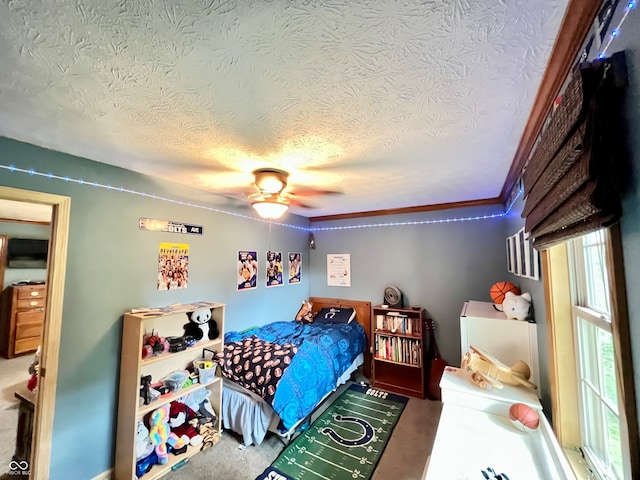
[522,259]
[510,255]
[531,257]
[274,269]
[247,270]
[295,267]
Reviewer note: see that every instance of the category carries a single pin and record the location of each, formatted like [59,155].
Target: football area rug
[346,441]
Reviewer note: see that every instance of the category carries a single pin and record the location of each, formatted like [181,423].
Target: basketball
[524,417]
[499,289]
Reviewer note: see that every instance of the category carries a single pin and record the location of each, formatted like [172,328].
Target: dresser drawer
[28,330]
[29,303]
[27,345]
[34,316]
[32,291]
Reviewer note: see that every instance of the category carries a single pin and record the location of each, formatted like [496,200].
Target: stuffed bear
[305,314]
[159,432]
[181,419]
[201,325]
[516,306]
[198,401]
[144,447]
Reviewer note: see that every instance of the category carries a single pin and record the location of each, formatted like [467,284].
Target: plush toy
[144,447]
[181,420]
[201,325]
[159,432]
[305,314]
[516,306]
[198,401]
[146,464]
[210,435]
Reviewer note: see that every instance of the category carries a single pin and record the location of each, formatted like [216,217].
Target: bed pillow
[305,314]
[335,315]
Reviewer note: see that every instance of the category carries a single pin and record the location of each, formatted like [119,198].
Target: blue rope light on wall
[615,33]
[51,176]
[424,222]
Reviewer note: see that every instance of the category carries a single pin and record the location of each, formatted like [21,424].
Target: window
[599,405]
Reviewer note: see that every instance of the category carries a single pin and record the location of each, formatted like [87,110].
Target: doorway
[42,428]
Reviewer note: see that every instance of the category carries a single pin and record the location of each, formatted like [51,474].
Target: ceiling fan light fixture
[270,180]
[269,208]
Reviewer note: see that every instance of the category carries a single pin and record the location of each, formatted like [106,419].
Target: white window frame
[600,467]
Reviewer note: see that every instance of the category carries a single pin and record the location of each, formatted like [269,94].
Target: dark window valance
[571,183]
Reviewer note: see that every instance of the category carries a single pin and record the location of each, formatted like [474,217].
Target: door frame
[50,348]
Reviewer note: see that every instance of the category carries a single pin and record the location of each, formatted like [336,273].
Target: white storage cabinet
[482,326]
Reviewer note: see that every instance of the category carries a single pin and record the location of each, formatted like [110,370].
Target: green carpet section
[347,440]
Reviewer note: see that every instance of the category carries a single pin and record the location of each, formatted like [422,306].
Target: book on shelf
[398,349]
[398,324]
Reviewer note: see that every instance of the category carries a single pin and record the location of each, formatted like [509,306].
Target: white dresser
[475,434]
[482,326]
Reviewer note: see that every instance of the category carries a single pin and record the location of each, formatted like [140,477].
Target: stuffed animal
[144,447]
[199,402]
[159,432]
[201,325]
[516,306]
[210,435]
[305,314]
[181,420]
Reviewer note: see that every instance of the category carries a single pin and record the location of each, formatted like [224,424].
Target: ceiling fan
[271,201]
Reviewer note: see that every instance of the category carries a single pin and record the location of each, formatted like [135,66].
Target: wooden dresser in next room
[21,318]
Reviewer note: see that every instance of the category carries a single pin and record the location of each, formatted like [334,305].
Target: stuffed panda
[201,325]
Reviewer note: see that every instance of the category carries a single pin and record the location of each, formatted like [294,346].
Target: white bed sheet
[247,414]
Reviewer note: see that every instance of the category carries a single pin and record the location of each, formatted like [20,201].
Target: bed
[316,358]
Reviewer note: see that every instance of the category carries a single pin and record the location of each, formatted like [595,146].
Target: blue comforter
[324,352]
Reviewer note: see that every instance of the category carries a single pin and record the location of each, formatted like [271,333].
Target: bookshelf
[167,321]
[398,349]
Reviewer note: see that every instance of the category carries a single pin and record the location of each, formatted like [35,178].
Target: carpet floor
[404,457]
[13,373]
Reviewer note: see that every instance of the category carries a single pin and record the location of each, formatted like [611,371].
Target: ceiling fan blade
[297,203]
[240,193]
[312,192]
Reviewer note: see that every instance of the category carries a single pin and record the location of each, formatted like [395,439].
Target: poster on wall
[274,269]
[173,266]
[339,270]
[247,269]
[295,267]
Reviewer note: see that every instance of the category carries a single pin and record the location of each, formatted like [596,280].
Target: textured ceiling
[392,103]
[26,212]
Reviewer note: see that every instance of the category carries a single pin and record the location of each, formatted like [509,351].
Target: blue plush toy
[145,452]
[198,401]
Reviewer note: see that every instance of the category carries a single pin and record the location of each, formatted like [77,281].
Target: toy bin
[205,367]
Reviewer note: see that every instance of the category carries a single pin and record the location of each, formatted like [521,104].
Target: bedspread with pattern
[310,358]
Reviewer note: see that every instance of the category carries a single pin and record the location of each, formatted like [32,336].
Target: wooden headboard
[363,317]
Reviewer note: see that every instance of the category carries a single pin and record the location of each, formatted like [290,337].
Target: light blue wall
[437,265]
[535,287]
[24,230]
[629,41]
[112,267]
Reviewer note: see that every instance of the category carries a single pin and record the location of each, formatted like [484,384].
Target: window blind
[571,182]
